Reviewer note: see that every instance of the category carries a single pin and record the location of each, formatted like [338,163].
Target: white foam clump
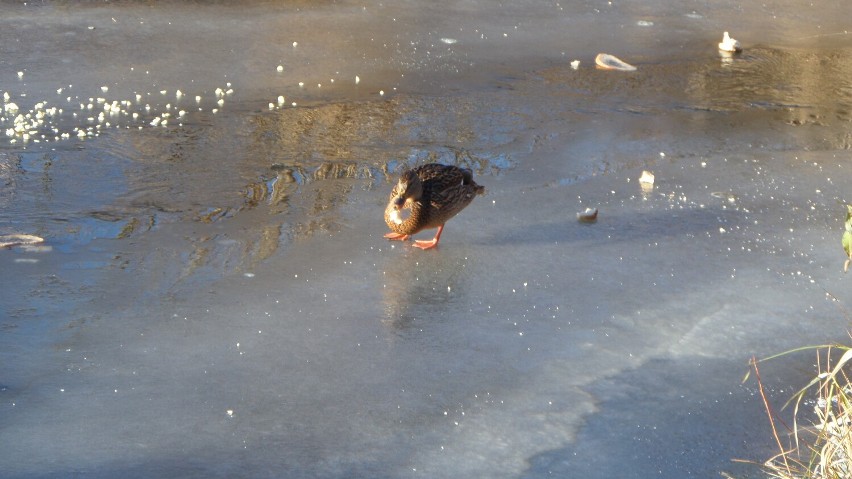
[612,62]
[728,44]
[35,125]
[19,239]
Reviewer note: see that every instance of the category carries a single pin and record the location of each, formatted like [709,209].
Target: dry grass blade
[771,414]
[824,449]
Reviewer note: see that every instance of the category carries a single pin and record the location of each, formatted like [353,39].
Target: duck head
[409,188]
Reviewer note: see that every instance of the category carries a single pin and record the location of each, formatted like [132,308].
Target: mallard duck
[434,193]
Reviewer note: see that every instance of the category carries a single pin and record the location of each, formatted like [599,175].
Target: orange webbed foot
[425,244]
[396,237]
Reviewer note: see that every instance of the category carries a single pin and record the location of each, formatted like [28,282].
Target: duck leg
[424,244]
[396,237]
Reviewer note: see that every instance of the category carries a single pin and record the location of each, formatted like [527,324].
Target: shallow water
[214,297]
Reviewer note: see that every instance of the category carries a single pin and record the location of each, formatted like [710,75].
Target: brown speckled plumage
[434,193]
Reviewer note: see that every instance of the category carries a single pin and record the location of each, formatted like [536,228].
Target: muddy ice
[214,297]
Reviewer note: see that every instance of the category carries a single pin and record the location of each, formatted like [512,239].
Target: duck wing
[447,190]
[440,176]
[437,178]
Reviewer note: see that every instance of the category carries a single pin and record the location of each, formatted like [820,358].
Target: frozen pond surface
[215,299]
